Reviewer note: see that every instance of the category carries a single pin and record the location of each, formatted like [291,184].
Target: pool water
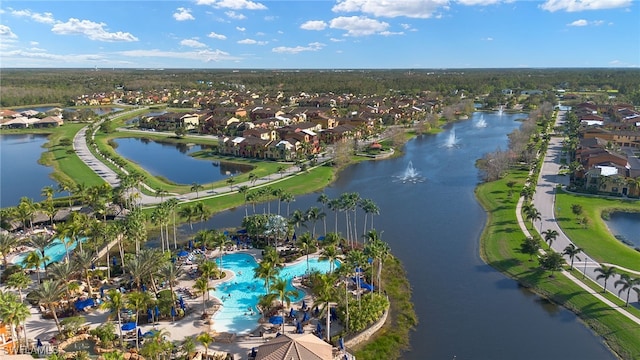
[55,251]
[239,313]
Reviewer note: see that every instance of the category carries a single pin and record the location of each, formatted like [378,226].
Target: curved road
[544,201]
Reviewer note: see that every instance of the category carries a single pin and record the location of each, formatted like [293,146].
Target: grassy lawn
[68,168]
[500,244]
[595,238]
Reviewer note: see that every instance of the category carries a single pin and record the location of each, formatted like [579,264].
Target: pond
[625,227]
[467,309]
[20,173]
[172,161]
[87,345]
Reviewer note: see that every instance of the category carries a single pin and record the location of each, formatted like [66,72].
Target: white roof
[608,170]
[309,132]
[238,140]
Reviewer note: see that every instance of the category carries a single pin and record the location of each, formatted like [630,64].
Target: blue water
[55,251]
[245,290]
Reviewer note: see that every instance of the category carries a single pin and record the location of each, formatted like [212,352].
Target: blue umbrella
[149,315]
[341,343]
[305,317]
[304,305]
[139,333]
[173,312]
[157,312]
[93,266]
[128,326]
[144,288]
[190,244]
[299,329]
[101,292]
[276,320]
[203,248]
[181,301]
[39,344]
[114,261]
[292,313]
[321,238]
[294,237]
[183,253]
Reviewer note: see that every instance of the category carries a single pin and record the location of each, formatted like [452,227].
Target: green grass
[596,239]
[500,244]
[68,168]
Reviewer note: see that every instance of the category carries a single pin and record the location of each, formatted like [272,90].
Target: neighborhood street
[544,201]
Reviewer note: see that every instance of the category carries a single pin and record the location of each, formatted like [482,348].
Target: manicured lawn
[500,248]
[595,238]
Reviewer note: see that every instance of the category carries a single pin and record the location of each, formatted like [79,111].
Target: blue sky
[237,34]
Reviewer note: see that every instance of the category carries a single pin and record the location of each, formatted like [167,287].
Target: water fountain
[500,109]
[410,175]
[481,123]
[452,141]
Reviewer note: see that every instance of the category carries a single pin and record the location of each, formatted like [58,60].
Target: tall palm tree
[267,272]
[172,206]
[40,241]
[188,211]
[171,273]
[288,198]
[63,272]
[115,301]
[252,178]
[83,261]
[136,301]
[161,193]
[205,339]
[370,208]
[196,187]
[324,200]
[35,260]
[325,292]
[208,269]
[201,286]
[335,206]
[605,273]
[48,294]
[279,287]
[297,219]
[14,312]
[307,244]
[244,189]
[329,253]
[26,211]
[19,281]
[357,261]
[313,214]
[549,236]
[220,242]
[571,251]
[627,283]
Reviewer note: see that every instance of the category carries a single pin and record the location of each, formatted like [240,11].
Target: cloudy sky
[237,34]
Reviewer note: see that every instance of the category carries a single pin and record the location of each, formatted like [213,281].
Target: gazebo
[295,347]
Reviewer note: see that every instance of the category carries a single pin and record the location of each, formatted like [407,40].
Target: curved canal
[466,309]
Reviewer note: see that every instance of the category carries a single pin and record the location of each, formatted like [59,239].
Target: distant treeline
[39,86]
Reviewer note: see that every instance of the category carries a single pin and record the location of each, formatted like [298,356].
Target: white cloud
[391,33]
[479,2]
[406,26]
[202,55]
[580,22]
[34,43]
[43,55]
[270,18]
[252,42]
[45,18]
[240,28]
[358,25]
[582,5]
[233,4]
[315,46]
[192,43]
[421,9]
[234,15]
[183,14]
[337,40]
[260,33]
[92,30]
[314,25]
[6,33]
[217,36]
[487,39]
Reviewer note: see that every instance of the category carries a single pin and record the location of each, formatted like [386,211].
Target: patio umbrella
[157,310]
[114,261]
[276,320]
[39,344]
[190,244]
[341,343]
[294,237]
[299,329]
[101,292]
[149,315]
[144,288]
[292,313]
[203,248]
[128,326]
[181,301]
[305,317]
[304,305]
[173,312]
[183,253]
[139,333]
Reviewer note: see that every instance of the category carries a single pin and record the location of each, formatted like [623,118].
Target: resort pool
[240,295]
[55,251]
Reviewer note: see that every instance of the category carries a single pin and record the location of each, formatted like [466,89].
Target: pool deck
[189,326]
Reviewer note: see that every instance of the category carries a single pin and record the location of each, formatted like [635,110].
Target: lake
[467,309]
[172,161]
[625,226]
[21,173]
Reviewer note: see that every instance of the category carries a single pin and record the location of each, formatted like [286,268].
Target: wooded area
[42,86]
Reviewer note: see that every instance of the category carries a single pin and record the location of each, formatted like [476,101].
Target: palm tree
[627,283]
[306,243]
[357,260]
[171,273]
[230,181]
[18,281]
[324,200]
[48,192]
[605,273]
[244,190]
[279,287]
[7,243]
[83,260]
[571,251]
[115,302]
[161,192]
[281,170]
[267,272]
[314,214]
[205,339]
[220,241]
[14,312]
[324,292]
[297,219]
[188,211]
[208,269]
[172,205]
[335,206]
[48,294]
[530,246]
[288,198]
[369,207]
[329,253]
[252,178]
[26,210]
[549,236]
[533,214]
[35,260]
[63,272]
[202,287]
[136,301]
[196,187]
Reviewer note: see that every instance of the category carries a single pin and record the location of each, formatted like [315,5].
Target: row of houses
[10,119]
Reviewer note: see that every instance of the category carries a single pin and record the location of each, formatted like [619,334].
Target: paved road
[544,201]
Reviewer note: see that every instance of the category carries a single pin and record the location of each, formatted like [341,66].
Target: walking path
[544,200]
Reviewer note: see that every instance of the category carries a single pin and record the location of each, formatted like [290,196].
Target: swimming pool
[55,251]
[236,313]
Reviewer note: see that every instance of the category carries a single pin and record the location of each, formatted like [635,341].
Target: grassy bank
[393,338]
[595,238]
[500,248]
